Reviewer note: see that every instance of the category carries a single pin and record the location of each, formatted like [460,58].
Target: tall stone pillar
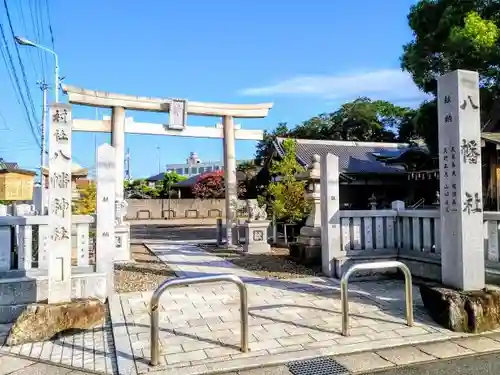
[122,229]
[229,176]
[461,201]
[59,254]
[331,246]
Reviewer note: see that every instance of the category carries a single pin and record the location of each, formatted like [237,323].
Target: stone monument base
[473,312]
[307,249]
[305,254]
[122,243]
[256,237]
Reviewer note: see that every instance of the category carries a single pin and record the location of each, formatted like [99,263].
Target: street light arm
[27,42]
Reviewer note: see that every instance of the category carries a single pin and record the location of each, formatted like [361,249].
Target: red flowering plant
[209,185]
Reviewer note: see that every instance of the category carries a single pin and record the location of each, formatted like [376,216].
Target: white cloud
[388,84]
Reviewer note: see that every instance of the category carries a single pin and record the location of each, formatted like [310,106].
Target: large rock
[462,311]
[40,322]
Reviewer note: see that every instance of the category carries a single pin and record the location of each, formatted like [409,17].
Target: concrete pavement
[15,365]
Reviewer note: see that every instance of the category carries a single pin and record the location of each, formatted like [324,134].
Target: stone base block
[122,243]
[305,254]
[472,312]
[256,237]
[17,293]
[257,248]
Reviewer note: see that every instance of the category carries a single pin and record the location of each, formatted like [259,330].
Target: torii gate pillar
[122,229]
[231,183]
[118,142]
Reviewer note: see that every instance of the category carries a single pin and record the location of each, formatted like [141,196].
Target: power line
[49,18]
[36,31]
[30,51]
[41,30]
[23,71]
[8,57]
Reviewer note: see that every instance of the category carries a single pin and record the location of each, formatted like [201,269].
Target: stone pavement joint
[91,350]
[292,319]
[399,357]
[289,320]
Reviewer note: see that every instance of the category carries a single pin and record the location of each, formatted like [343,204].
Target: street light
[25,42]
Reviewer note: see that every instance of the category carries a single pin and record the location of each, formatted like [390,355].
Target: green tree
[285,196]
[449,35]
[169,179]
[265,146]
[86,204]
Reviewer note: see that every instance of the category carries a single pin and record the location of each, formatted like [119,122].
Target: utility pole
[159,159]
[44,87]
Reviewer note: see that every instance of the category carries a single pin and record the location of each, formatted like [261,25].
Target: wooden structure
[16,184]
[365,175]
[423,170]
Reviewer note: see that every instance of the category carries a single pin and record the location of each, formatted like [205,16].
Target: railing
[344,289]
[155,299]
[24,242]
[416,231]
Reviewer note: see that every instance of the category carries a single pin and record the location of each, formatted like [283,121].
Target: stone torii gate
[178,110]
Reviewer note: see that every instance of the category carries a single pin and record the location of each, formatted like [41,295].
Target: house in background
[364,171]
[423,169]
[8,165]
[78,177]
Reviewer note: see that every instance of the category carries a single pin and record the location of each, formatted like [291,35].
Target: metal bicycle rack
[375,266]
[171,283]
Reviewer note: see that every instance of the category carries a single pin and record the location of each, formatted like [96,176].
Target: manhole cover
[317,366]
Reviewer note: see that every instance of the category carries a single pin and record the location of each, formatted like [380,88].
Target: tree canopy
[360,120]
[450,35]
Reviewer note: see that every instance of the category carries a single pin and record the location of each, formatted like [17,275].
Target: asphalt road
[487,364]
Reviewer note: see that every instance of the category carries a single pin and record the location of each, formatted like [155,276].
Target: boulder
[40,322]
[472,312]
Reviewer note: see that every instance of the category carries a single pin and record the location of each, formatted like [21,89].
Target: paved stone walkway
[289,319]
[91,350]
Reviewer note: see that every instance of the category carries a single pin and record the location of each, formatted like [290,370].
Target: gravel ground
[144,274]
[276,265]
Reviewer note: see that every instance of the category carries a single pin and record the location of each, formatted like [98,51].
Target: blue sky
[305,57]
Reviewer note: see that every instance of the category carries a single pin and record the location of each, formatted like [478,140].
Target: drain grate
[317,366]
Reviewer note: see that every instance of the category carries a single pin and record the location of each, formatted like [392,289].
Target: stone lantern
[307,249]
[372,201]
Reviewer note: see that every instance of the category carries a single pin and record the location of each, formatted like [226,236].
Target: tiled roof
[492,137]
[354,157]
[156,177]
[8,165]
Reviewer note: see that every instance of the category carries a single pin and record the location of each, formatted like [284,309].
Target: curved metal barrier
[171,283]
[375,266]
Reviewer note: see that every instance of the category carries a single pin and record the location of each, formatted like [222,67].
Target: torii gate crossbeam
[179,110]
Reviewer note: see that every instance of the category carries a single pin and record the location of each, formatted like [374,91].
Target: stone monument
[330,207]
[308,246]
[256,229]
[59,254]
[461,200]
[105,218]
